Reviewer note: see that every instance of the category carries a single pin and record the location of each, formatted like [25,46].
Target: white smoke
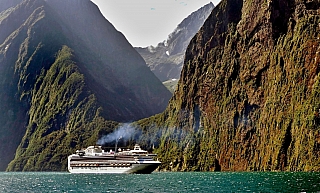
[124,132]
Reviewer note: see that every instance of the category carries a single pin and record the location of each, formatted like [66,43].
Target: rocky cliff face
[65,71]
[166,59]
[248,97]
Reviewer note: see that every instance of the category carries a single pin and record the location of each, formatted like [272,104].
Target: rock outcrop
[248,97]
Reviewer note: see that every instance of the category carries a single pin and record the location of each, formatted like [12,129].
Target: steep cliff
[64,72]
[166,59]
[248,97]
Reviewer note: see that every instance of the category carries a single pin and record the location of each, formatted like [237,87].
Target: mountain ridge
[166,59]
[58,92]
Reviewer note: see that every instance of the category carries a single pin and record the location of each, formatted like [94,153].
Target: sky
[148,22]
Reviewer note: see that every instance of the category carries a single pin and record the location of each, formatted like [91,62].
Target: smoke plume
[124,132]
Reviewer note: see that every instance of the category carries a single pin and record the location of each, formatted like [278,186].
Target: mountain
[166,59]
[249,94]
[66,77]
[7,4]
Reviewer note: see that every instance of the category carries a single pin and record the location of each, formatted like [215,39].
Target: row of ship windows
[96,168]
[96,165]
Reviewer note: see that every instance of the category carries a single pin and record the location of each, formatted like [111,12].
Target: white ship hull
[94,160]
[142,168]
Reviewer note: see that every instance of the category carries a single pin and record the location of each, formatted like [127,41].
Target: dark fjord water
[162,182]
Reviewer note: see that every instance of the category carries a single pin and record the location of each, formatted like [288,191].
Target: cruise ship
[95,160]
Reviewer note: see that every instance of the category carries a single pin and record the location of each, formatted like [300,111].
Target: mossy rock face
[248,97]
[63,116]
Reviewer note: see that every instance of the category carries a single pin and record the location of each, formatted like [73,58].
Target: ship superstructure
[95,160]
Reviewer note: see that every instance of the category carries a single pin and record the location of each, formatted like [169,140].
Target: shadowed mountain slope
[248,97]
[64,71]
[7,4]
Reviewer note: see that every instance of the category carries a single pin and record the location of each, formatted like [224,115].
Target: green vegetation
[64,116]
[62,80]
[247,100]
[248,97]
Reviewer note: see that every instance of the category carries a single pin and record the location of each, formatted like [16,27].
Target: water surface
[162,182]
